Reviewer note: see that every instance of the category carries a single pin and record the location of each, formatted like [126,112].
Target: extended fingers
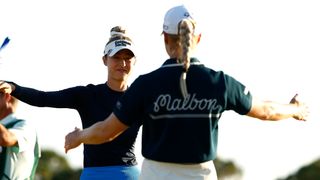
[71,140]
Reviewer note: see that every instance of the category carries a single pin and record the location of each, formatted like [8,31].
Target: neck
[173,53]
[117,85]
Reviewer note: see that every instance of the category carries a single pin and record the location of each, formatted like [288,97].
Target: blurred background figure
[19,148]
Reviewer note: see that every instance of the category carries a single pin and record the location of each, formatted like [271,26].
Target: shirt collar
[173,62]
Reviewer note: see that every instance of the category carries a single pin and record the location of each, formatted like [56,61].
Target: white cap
[119,41]
[173,17]
[115,46]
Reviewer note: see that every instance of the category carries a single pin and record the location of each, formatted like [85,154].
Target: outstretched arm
[100,132]
[65,98]
[267,110]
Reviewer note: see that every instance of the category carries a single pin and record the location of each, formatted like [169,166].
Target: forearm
[6,137]
[267,110]
[96,134]
[100,132]
[28,95]
[275,111]
[65,98]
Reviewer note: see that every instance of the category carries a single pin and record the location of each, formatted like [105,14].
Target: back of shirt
[178,129]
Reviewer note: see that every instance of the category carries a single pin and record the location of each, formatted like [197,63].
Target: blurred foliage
[308,172]
[53,166]
[227,170]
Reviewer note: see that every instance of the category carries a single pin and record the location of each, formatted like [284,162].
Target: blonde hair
[117,33]
[186,34]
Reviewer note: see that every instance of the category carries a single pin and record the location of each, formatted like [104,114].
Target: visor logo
[122,43]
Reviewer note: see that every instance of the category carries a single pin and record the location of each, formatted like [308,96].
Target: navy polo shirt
[181,130]
[94,103]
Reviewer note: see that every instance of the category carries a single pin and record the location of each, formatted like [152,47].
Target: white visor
[115,46]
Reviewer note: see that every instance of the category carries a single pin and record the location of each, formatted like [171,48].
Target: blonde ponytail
[186,28]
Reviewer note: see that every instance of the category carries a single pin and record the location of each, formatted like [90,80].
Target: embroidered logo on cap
[122,43]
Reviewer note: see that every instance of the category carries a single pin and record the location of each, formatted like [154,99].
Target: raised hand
[303,112]
[72,140]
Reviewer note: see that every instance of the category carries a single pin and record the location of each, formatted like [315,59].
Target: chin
[122,78]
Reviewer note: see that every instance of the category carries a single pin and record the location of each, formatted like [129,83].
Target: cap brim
[112,48]
[117,49]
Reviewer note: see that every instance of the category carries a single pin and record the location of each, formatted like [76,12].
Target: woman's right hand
[72,140]
[6,87]
[303,112]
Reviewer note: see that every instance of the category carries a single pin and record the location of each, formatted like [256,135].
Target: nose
[122,62]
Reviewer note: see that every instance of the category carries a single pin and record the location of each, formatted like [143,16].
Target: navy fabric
[181,130]
[94,103]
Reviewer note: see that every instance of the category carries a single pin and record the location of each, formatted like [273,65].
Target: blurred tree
[53,166]
[227,170]
[308,172]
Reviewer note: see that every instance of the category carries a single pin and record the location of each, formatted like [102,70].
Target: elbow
[113,136]
[103,136]
[109,139]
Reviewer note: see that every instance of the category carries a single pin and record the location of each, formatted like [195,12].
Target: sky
[270,46]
